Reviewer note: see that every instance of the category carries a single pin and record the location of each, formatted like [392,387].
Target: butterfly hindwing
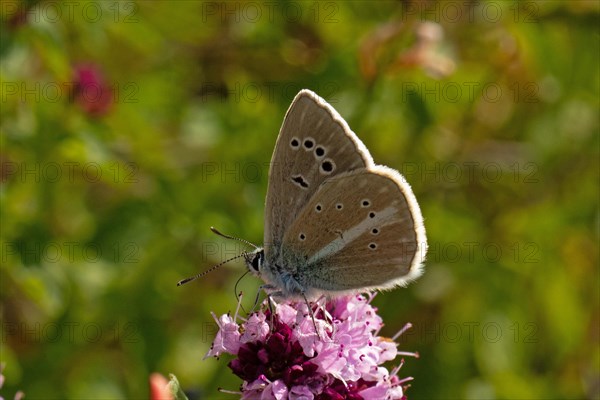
[360,230]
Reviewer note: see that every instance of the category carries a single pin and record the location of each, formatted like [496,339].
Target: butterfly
[335,222]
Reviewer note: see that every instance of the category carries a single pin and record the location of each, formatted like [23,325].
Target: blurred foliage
[489,108]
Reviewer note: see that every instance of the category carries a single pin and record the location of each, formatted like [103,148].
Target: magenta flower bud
[91,91]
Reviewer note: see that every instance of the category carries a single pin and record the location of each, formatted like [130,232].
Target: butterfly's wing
[314,144]
[360,230]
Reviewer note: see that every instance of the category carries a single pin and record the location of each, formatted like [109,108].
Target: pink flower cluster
[279,354]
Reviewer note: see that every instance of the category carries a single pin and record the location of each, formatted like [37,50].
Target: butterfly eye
[257,261]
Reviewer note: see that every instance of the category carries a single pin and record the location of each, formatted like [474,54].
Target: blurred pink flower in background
[19,395]
[91,90]
[159,388]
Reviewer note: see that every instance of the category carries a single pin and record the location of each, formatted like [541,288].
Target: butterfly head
[255,260]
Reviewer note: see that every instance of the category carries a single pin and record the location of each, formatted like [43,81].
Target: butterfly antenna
[215,231]
[201,274]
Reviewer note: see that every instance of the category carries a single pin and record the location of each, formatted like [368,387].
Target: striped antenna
[215,231]
[201,274]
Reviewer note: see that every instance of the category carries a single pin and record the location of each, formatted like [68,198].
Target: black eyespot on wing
[294,143]
[299,180]
[319,151]
[308,144]
[327,166]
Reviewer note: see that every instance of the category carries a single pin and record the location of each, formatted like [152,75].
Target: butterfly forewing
[360,230]
[314,144]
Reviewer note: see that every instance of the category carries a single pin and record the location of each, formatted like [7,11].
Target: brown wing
[314,144]
[360,230]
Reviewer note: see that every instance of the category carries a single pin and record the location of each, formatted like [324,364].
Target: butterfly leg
[255,302]
[267,289]
[312,314]
[271,292]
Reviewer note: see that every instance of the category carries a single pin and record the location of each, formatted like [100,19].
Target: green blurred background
[129,128]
